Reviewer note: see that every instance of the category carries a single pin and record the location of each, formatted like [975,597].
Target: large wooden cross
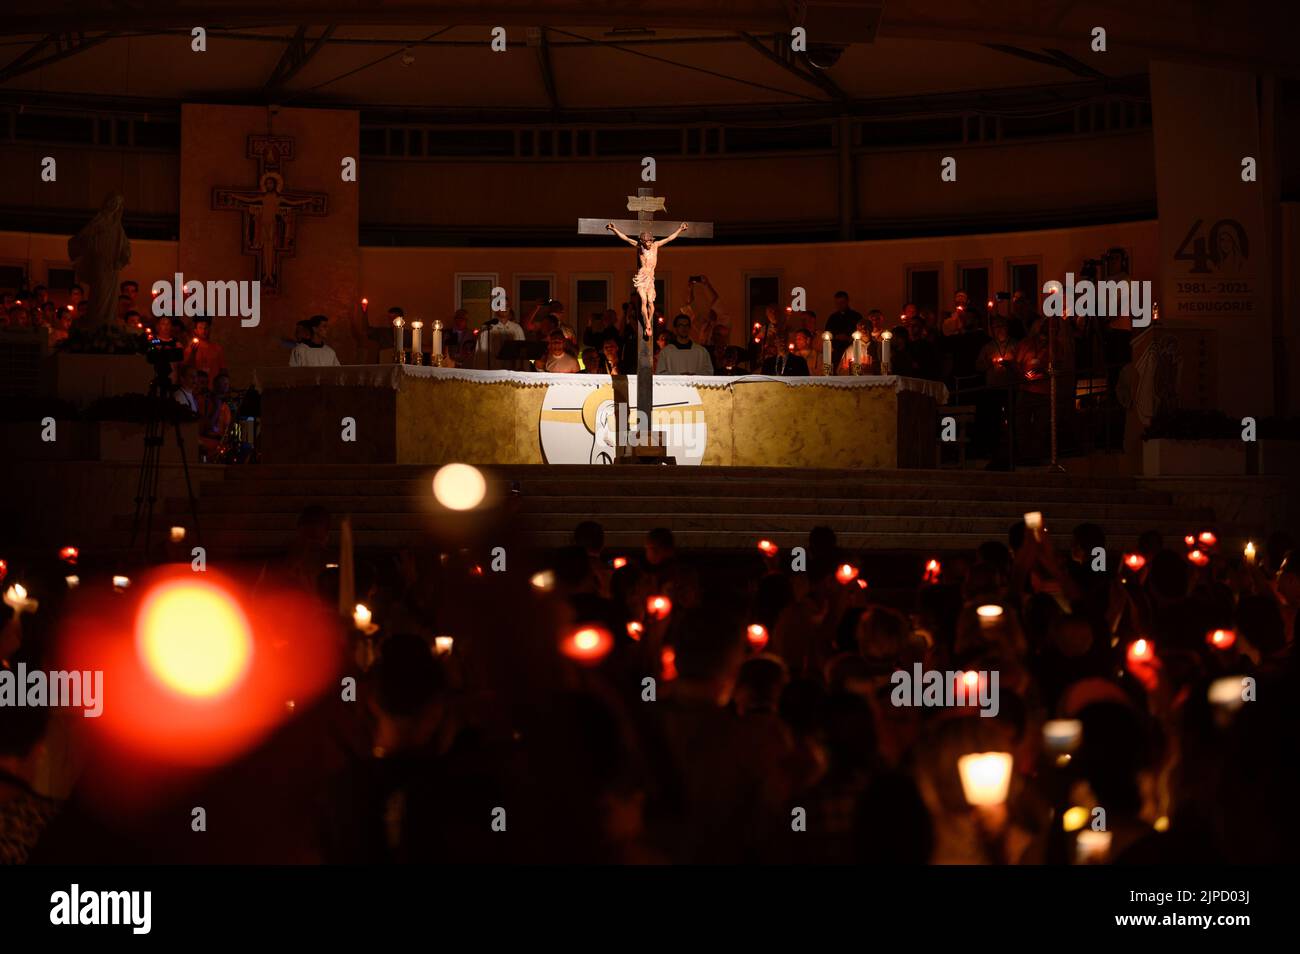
[645,204]
[270,211]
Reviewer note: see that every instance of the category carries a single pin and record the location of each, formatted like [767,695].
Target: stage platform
[403,414]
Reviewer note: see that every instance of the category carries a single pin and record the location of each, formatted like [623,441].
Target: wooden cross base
[644,455]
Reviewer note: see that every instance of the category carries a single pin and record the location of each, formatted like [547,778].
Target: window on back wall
[474,294]
[922,287]
[762,289]
[13,278]
[1023,276]
[590,294]
[532,290]
[973,279]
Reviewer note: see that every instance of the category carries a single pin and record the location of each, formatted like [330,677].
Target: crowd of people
[664,706]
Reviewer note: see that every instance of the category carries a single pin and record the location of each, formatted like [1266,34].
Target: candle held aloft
[985,778]
[1249,554]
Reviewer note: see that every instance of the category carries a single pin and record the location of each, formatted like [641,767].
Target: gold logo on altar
[580,423]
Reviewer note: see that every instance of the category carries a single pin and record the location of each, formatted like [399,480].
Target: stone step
[567,474]
[700,489]
[581,507]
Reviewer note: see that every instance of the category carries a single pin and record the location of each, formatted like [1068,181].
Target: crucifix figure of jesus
[645,204]
[647,256]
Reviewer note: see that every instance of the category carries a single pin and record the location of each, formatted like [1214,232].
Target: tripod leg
[189,487]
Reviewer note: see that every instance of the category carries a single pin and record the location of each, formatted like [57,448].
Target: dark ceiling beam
[785,60]
[544,67]
[1063,62]
[1076,66]
[297,54]
[65,45]
[849,21]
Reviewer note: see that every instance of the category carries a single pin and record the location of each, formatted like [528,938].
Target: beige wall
[422,280]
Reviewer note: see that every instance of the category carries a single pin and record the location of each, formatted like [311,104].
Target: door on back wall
[590,295]
[533,290]
[1022,276]
[923,289]
[474,294]
[762,289]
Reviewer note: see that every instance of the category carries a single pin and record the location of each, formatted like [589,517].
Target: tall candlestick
[437,341]
[399,340]
[826,350]
[885,346]
[857,347]
[417,337]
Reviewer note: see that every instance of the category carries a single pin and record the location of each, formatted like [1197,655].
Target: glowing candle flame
[668,662]
[1135,561]
[120,583]
[933,571]
[69,554]
[619,562]
[1140,650]
[1189,540]
[177,534]
[757,634]
[1207,538]
[590,644]
[1222,638]
[658,607]
[1197,558]
[985,777]
[1062,735]
[442,645]
[1248,552]
[634,630]
[846,573]
[990,614]
[543,580]
[768,547]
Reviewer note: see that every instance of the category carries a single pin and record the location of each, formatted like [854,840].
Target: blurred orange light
[589,644]
[1135,561]
[1222,639]
[668,660]
[634,630]
[1139,651]
[1207,538]
[757,636]
[862,584]
[846,573]
[1197,558]
[658,607]
[933,571]
[193,638]
[4,570]
[619,562]
[768,547]
[1189,540]
[69,554]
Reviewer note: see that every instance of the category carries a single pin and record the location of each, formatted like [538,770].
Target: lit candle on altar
[442,645]
[399,341]
[985,777]
[437,338]
[757,634]
[417,337]
[177,534]
[826,349]
[857,347]
[990,614]
[1249,554]
[885,347]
